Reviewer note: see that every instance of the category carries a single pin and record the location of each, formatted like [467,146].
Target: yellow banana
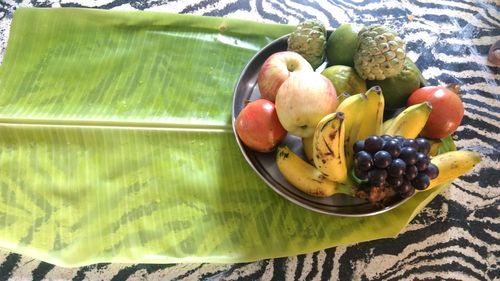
[386,124]
[352,107]
[342,97]
[452,165]
[435,146]
[306,177]
[307,145]
[373,114]
[411,121]
[328,147]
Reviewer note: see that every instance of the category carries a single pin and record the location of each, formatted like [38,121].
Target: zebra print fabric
[456,237]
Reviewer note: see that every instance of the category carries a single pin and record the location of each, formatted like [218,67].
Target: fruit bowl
[264,164]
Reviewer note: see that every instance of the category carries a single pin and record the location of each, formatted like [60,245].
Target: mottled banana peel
[306,177]
[328,147]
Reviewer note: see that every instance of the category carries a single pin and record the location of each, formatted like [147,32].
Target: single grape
[397,168]
[422,161]
[410,143]
[410,172]
[405,189]
[359,145]
[409,193]
[373,144]
[377,177]
[399,139]
[362,175]
[393,147]
[421,181]
[395,181]
[432,171]
[386,138]
[382,159]
[409,155]
[423,145]
[363,161]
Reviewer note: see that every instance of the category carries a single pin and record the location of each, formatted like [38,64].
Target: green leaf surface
[116,145]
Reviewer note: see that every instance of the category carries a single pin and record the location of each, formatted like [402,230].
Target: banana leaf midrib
[118,124]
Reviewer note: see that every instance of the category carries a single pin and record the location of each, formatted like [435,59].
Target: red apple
[447,110]
[276,69]
[258,126]
[303,100]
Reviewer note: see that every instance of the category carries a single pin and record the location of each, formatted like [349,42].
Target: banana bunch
[329,152]
[306,177]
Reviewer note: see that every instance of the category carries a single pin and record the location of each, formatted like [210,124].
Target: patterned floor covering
[456,237]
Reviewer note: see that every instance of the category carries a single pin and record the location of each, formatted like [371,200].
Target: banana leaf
[116,146]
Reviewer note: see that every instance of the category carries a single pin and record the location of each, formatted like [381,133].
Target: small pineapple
[380,53]
[309,40]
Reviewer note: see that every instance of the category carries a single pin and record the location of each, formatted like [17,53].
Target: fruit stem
[429,105]
[345,188]
[454,88]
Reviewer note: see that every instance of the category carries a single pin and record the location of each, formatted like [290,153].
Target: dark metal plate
[264,163]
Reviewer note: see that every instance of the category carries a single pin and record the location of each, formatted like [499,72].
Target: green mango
[341,44]
[345,79]
[397,89]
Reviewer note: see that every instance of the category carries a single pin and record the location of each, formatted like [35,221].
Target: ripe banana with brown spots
[306,177]
[328,147]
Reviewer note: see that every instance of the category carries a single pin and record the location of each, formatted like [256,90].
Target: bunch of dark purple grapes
[403,164]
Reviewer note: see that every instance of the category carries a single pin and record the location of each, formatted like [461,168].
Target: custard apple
[309,40]
[380,53]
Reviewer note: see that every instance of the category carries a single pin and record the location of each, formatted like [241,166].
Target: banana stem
[345,188]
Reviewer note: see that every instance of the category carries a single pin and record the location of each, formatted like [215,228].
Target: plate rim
[283,191]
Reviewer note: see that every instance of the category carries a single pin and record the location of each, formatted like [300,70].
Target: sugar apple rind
[380,53]
[309,40]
